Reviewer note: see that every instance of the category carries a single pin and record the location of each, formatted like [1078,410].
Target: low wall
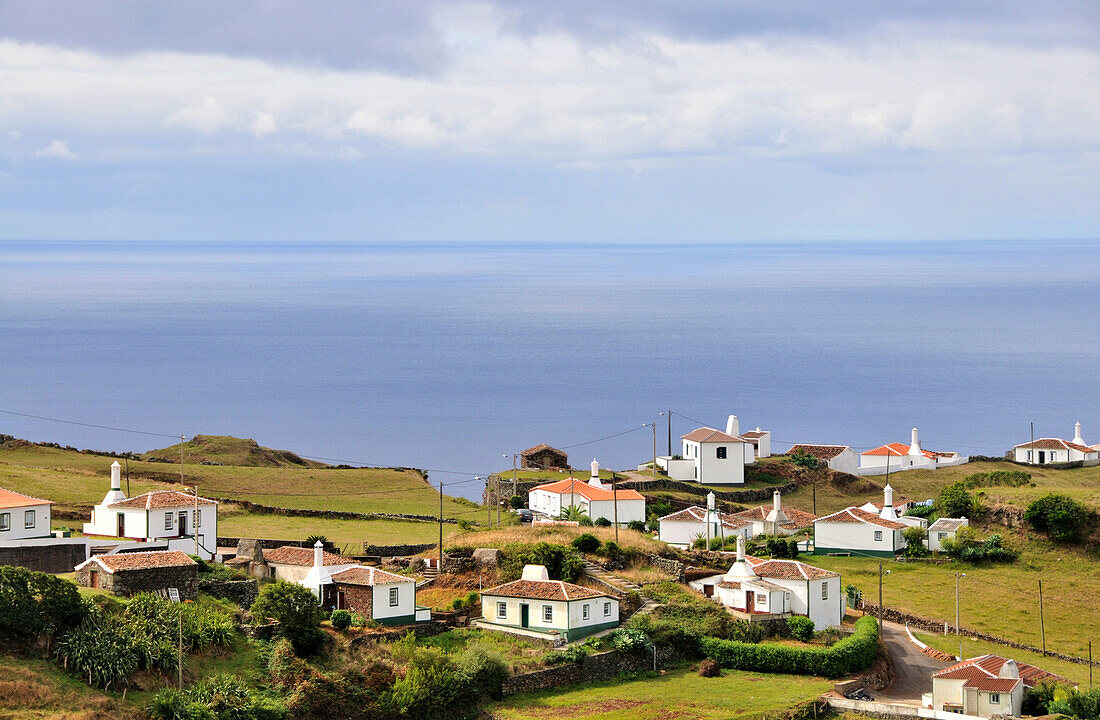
[937,627]
[889,711]
[328,514]
[270,544]
[424,629]
[241,592]
[395,550]
[591,668]
[675,568]
[59,556]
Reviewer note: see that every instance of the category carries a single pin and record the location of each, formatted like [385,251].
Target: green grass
[676,694]
[1002,600]
[35,689]
[228,450]
[350,533]
[521,655]
[972,647]
[77,481]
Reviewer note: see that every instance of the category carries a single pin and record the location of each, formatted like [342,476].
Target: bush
[35,605]
[360,693]
[637,525]
[602,522]
[792,549]
[458,604]
[484,670]
[921,511]
[914,542]
[628,639]
[568,654]
[805,460]
[1059,516]
[297,611]
[611,550]
[586,543]
[341,619]
[516,502]
[312,540]
[99,651]
[955,502]
[221,697]
[709,668]
[853,653]
[801,628]
[1007,478]
[561,563]
[584,521]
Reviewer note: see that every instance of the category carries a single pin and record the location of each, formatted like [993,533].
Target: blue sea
[453,356]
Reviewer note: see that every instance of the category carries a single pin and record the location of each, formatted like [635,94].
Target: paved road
[912,668]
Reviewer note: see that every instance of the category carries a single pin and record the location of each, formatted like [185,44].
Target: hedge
[855,652]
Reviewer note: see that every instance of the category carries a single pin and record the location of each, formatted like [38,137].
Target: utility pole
[880,574]
[195,523]
[670,433]
[815,485]
[179,648]
[653,467]
[488,506]
[440,569]
[958,636]
[513,477]
[127,476]
[1031,450]
[1090,664]
[615,505]
[1042,625]
[498,500]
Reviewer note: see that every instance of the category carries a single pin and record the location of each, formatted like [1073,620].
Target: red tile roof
[1055,444]
[12,499]
[821,452]
[368,576]
[796,519]
[290,555]
[983,671]
[787,569]
[754,434]
[160,499]
[576,486]
[898,450]
[697,514]
[854,514]
[543,590]
[121,562]
[706,434]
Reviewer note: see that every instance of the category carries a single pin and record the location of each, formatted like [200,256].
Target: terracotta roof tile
[982,671]
[788,569]
[854,514]
[796,519]
[159,499]
[706,434]
[754,434]
[368,576]
[12,499]
[1056,444]
[576,486]
[543,590]
[821,452]
[696,513]
[899,450]
[121,562]
[290,555]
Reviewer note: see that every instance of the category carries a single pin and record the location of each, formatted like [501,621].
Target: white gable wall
[16,522]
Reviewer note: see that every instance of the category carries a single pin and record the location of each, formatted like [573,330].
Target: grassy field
[559,534]
[678,694]
[34,689]
[345,533]
[999,599]
[973,647]
[78,480]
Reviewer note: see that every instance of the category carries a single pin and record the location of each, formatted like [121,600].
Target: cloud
[349,153]
[57,150]
[547,93]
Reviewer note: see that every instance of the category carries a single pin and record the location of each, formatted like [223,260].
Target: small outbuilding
[986,686]
[159,571]
[543,457]
[682,528]
[384,597]
[944,529]
[775,519]
[838,457]
[535,604]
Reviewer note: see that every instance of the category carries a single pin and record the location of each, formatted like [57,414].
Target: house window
[824,591]
[393,597]
[167,521]
[1029,456]
[584,611]
[761,599]
[548,613]
[607,609]
[878,536]
[994,698]
[28,519]
[5,521]
[502,610]
[720,452]
[1053,457]
[941,536]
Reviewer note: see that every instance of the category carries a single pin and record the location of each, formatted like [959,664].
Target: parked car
[525,515]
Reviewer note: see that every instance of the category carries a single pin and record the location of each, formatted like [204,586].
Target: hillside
[228,450]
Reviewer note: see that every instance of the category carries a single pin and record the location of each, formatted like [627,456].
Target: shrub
[805,460]
[709,668]
[34,605]
[602,522]
[1007,478]
[855,652]
[792,549]
[465,525]
[561,562]
[458,604]
[699,544]
[637,525]
[99,652]
[629,639]
[312,540]
[360,693]
[914,542]
[611,550]
[568,654]
[483,669]
[1059,516]
[341,619]
[586,543]
[297,611]
[921,511]
[516,502]
[954,501]
[801,628]
[584,521]
[221,697]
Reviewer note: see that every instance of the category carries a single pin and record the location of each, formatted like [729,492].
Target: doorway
[750,601]
[524,615]
[93,579]
[1042,457]
[183,524]
[121,525]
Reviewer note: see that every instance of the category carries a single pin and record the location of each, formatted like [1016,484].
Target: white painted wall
[15,521]
[380,600]
[856,536]
[629,510]
[1051,456]
[683,470]
[595,612]
[682,533]
[710,469]
[847,461]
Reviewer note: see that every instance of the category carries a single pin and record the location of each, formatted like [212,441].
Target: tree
[1059,516]
[297,611]
[955,502]
[516,502]
[574,513]
[34,604]
[914,542]
[586,543]
[561,563]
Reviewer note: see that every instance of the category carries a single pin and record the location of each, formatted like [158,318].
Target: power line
[91,425]
[608,437]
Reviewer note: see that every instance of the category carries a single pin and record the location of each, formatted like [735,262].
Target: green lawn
[345,533]
[677,694]
[999,599]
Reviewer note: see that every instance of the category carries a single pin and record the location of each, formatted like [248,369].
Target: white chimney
[535,572]
[1077,434]
[116,473]
[741,570]
[914,445]
[732,428]
[318,555]
[710,501]
[888,512]
[776,517]
[1009,670]
[115,494]
[594,480]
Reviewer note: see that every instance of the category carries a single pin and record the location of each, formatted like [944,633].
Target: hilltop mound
[227,450]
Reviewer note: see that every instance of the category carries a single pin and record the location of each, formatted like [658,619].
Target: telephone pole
[615,505]
[1042,625]
[440,569]
[195,523]
[880,574]
[181,459]
[670,433]
[958,636]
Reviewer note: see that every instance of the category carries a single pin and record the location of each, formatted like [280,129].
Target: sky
[662,121]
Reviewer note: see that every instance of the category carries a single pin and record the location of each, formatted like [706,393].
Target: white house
[774,519]
[1045,451]
[838,457]
[23,517]
[712,457]
[535,604]
[761,441]
[777,587]
[682,528]
[944,529]
[156,515]
[986,686]
[859,532]
[900,508]
[595,498]
[895,457]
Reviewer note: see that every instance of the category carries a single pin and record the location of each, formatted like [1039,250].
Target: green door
[524,612]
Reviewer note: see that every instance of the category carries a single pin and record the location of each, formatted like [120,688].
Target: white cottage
[682,528]
[859,532]
[712,457]
[156,515]
[775,519]
[761,441]
[1046,451]
[23,517]
[596,498]
[944,529]
[895,457]
[838,457]
[986,686]
[537,605]
[755,586]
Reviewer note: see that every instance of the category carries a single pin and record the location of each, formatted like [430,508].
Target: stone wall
[358,598]
[268,543]
[601,666]
[454,565]
[128,582]
[241,592]
[675,568]
[60,558]
[424,629]
[328,514]
[395,550]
